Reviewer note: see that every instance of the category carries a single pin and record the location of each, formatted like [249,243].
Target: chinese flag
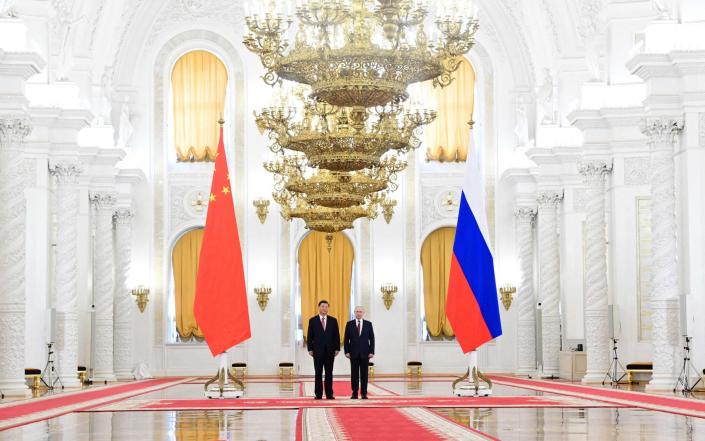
[220,307]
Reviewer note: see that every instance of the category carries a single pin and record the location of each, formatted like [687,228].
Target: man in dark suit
[359,344]
[323,341]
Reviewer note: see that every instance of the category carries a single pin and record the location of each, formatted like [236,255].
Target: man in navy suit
[359,344]
[323,342]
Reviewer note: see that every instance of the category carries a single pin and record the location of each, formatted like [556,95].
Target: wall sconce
[262,206]
[388,291]
[263,293]
[141,297]
[507,292]
[388,209]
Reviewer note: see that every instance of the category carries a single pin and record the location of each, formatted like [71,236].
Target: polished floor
[501,423]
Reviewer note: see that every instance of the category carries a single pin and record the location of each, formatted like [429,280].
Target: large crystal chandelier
[341,135]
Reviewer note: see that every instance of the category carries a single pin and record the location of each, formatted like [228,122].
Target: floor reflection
[269,425]
[579,424]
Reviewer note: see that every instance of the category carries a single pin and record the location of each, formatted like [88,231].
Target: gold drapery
[436,255]
[325,275]
[184,264]
[198,85]
[448,137]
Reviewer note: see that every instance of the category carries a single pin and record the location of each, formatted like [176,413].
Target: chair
[637,367]
[371,369]
[286,369]
[239,370]
[413,368]
[35,375]
[82,374]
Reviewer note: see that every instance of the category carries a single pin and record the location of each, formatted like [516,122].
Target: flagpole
[473,383]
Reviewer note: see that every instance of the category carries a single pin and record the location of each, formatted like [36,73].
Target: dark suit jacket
[323,342]
[359,346]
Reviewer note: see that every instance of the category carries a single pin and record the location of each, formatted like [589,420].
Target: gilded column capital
[661,131]
[14,129]
[525,214]
[548,199]
[66,172]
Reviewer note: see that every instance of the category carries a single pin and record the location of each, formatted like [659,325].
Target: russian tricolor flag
[471,305]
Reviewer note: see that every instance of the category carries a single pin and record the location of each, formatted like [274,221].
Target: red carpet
[683,406]
[381,425]
[377,402]
[37,409]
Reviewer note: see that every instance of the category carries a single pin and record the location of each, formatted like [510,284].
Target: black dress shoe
[318,398]
[354,397]
[364,397]
[330,398]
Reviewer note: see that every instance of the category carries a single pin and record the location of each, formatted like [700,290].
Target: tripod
[684,377]
[615,367]
[49,370]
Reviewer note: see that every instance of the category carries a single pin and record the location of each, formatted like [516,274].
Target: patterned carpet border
[558,401]
[643,400]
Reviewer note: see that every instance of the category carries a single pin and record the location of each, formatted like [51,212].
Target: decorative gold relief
[262,206]
[263,293]
[388,292]
[141,297]
[507,292]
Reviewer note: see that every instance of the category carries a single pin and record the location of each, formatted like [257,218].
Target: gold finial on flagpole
[221,121]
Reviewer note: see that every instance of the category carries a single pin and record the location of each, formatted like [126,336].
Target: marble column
[65,272]
[662,133]
[123,303]
[525,217]
[103,286]
[13,131]
[597,332]
[549,280]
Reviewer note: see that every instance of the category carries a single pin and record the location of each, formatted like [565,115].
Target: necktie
[323,322]
[358,328]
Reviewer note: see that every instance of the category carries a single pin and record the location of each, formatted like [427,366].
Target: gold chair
[413,368]
[239,370]
[35,376]
[82,374]
[371,369]
[286,369]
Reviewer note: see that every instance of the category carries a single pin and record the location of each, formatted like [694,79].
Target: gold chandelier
[361,53]
[342,138]
[341,142]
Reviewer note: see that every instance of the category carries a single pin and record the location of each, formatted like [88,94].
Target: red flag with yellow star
[220,307]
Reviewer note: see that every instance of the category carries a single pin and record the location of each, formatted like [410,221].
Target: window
[448,137]
[436,256]
[198,93]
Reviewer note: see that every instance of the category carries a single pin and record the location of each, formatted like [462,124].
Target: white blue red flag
[471,306]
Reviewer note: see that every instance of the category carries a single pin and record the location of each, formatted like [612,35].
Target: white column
[549,287]
[65,272]
[103,286]
[596,312]
[662,134]
[13,131]
[526,331]
[122,335]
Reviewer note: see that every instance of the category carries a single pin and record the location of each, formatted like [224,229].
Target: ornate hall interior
[585,118]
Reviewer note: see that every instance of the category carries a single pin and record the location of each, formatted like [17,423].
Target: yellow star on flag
[226,190]
[212,197]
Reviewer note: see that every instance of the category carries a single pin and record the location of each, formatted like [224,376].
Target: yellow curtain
[447,138]
[436,255]
[325,275]
[184,261]
[198,84]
